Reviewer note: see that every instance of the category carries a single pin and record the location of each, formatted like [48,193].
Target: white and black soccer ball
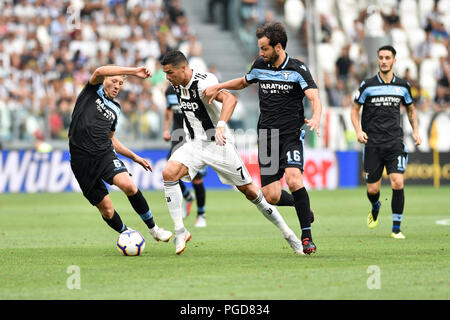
[131,243]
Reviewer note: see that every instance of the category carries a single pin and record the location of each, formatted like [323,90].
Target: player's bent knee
[251,194]
[397,181]
[294,184]
[373,189]
[125,184]
[249,190]
[173,171]
[129,189]
[106,211]
[397,185]
[271,197]
[272,201]
[168,174]
[294,180]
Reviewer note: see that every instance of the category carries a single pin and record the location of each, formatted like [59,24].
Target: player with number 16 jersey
[209,142]
[283,83]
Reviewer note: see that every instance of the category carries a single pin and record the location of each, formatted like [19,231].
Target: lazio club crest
[286,75]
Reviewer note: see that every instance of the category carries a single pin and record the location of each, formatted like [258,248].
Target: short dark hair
[174,58]
[389,48]
[275,32]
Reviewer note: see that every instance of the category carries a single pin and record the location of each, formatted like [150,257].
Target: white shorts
[224,160]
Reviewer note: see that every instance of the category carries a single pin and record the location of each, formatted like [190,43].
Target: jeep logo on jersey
[189,105]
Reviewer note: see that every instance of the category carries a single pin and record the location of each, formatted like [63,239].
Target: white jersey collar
[190,81]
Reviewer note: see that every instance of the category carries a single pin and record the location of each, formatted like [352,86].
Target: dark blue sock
[376,207]
[116,223]
[397,220]
[373,198]
[302,208]
[200,210]
[140,205]
[286,199]
[200,195]
[185,191]
[397,204]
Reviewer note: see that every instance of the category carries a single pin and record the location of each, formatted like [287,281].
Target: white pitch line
[445,222]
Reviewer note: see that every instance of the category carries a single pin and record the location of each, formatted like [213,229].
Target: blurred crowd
[240,16]
[418,29]
[49,48]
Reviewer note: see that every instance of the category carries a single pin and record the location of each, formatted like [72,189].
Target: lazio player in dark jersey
[381,133]
[173,115]
[176,135]
[283,83]
[281,93]
[93,148]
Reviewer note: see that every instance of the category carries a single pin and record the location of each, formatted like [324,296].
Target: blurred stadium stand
[48,48]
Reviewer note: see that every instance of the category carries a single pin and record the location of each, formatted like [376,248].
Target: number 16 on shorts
[294,157]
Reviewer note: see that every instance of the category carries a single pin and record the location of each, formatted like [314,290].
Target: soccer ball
[130,243]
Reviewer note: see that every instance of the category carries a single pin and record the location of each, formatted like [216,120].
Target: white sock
[174,198]
[272,214]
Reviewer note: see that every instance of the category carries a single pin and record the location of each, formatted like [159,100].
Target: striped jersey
[281,93]
[93,119]
[381,102]
[200,117]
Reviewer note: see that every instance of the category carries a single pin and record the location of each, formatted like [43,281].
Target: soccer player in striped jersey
[177,136]
[209,142]
[381,133]
[283,83]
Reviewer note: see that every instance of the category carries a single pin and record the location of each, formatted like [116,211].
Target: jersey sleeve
[171,97]
[208,81]
[89,88]
[305,78]
[252,75]
[114,125]
[360,97]
[407,96]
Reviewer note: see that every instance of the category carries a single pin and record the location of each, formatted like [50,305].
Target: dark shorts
[274,160]
[92,172]
[376,158]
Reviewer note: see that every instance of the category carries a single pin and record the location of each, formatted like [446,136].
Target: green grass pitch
[240,255]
